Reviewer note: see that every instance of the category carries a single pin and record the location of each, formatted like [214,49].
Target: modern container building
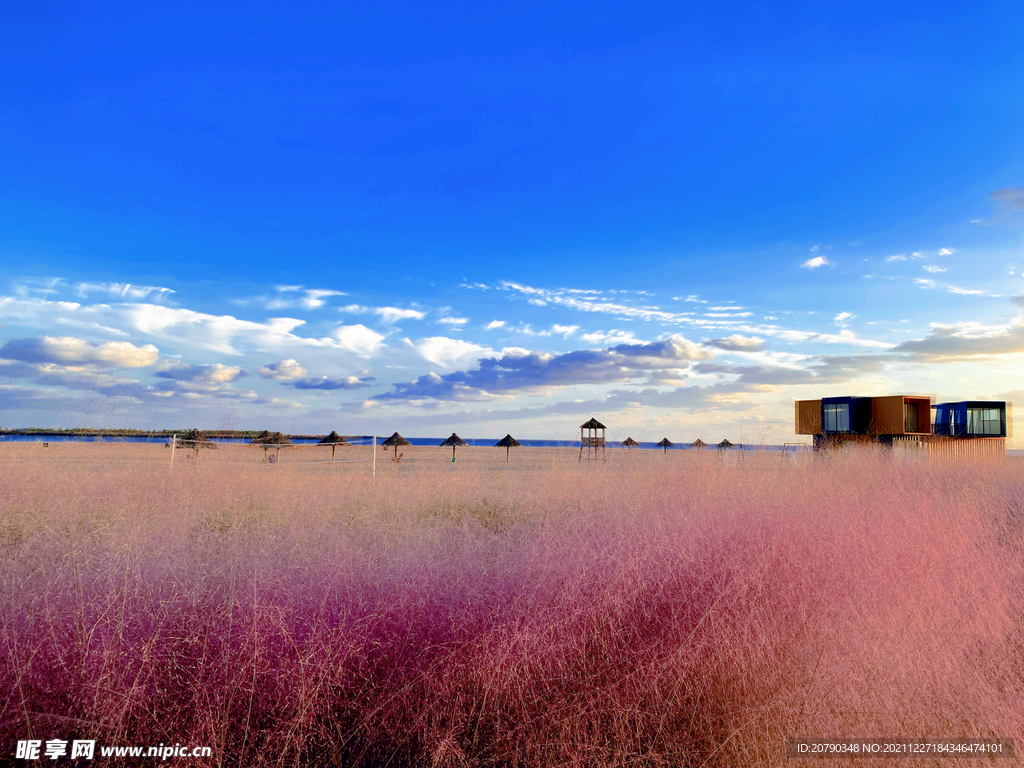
[837,420]
[969,429]
[971,418]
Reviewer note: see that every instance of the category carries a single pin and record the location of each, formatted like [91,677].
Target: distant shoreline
[216,434]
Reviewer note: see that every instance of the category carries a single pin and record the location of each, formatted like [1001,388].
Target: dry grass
[651,610]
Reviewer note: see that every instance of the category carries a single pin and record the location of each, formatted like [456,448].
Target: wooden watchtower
[590,438]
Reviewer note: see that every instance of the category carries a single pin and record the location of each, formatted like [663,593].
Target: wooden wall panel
[887,415]
[808,417]
[966,449]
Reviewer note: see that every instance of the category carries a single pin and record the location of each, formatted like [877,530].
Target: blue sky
[674,217]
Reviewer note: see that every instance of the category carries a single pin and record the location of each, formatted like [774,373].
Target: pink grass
[635,613]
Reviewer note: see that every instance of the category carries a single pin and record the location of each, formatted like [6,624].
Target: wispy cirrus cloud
[690,319]
[388,315]
[292,297]
[126,291]
[816,262]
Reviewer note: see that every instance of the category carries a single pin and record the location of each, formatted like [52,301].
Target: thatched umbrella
[395,440]
[725,444]
[268,440]
[629,442]
[454,441]
[264,439]
[196,440]
[665,444]
[506,442]
[698,444]
[334,440]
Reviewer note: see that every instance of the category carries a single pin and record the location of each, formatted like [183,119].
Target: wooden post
[373,454]
[174,443]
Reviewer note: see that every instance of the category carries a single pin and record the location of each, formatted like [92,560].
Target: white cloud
[310,298]
[522,371]
[896,257]
[565,330]
[495,324]
[613,336]
[358,339]
[446,352]
[946,251]
[817,261]
[453,320]
[963,341]
[69,350]
[388,315]
[204,374]
[843,318]
[965,291]
[223,334]
[934,269]
[738,343]
[314,298]
[283,370]
[925,282]
[123,290]
[538,302]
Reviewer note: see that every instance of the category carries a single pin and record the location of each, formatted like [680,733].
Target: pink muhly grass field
[676,612]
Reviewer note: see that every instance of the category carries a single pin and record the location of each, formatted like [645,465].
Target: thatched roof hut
[698,444]
[395,440]
[334,440]
[629,442]
[454,441]
[196,441]
[725,444]
[592,424]
[665,444]
[507,442]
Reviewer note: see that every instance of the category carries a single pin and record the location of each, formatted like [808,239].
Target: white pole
[373,454]
[174,443]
